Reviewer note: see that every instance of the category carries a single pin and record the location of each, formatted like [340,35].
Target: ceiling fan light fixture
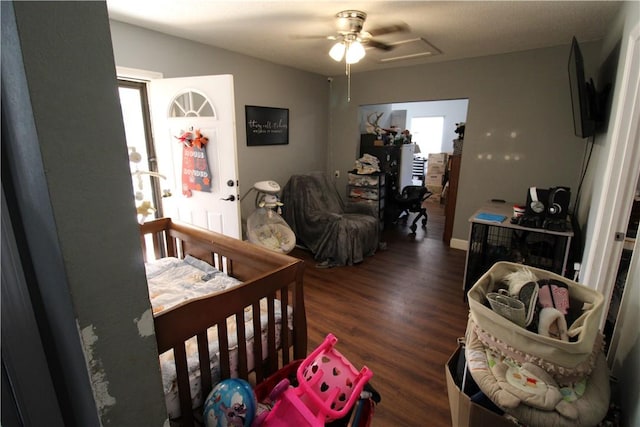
[337,51]
[355,52]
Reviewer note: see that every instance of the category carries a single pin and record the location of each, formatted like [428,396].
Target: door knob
[231,198]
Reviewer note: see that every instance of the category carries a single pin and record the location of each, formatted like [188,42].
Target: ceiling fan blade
[379,45]
[397,28]
[312,37]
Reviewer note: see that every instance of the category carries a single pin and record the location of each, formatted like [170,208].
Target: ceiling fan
[350,32]
[351,38]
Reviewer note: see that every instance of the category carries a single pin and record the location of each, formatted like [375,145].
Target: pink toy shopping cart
[328,387]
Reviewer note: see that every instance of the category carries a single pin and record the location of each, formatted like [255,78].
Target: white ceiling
[278,31]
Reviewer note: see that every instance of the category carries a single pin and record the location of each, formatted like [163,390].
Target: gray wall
[256,83]
[68,160]
[519,130]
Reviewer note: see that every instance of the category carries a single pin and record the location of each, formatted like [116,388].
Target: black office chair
[410,200]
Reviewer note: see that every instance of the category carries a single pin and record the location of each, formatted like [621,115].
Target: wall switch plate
[336,174]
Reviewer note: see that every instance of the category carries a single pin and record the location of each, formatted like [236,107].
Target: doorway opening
[432,129]
[427,134]
[142,157]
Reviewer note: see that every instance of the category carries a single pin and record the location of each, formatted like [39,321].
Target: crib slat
[180,249]
[271,333]
[243,370]
[184,390]
[257,342]
[229,266]
[143,243]
[171,246]
[205,364]
[284,324]
[223,347]
[158,240]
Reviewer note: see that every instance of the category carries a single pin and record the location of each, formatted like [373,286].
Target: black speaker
[558,202]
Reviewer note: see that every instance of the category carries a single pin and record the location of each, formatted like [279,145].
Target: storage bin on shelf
[363,180]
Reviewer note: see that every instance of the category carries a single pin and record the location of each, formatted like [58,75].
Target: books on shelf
[491,217]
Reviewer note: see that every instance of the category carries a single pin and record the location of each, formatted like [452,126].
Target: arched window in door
[191,103]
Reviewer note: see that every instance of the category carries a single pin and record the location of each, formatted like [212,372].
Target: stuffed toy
[528,384]
[145,209]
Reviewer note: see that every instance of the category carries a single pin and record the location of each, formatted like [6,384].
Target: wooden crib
[265,275]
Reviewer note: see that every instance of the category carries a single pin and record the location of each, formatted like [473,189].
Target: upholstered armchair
[337,233]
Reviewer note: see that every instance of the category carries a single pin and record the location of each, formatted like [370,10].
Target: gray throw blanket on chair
[335,232]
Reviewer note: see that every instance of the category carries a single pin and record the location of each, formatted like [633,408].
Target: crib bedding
[172,281]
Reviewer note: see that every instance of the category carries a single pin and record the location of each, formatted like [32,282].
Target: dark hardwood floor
[399,312]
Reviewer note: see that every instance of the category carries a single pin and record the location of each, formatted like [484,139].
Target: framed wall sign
[266,125]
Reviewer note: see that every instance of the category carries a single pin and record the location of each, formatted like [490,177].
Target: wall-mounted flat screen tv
[583,95]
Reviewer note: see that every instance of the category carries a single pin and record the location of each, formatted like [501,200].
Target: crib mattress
[172,281]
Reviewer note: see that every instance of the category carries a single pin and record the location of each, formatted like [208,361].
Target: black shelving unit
[369,189]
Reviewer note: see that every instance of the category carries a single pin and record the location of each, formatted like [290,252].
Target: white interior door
[206,195]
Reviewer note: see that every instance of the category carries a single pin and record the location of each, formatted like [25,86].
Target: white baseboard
[459,244]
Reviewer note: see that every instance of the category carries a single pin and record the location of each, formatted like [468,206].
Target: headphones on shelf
[554,207]
[536,205]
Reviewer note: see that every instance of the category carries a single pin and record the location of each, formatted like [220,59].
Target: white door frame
[137,74]
[620,178]
[147,77]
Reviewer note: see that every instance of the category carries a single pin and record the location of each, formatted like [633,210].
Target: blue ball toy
[231,403]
